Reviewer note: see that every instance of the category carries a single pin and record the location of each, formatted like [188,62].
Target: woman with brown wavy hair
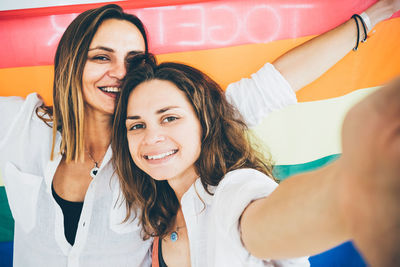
[202,136]
[183,158]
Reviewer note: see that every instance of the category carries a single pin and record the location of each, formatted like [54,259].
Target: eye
[136,126]
[100,58]
[170,119]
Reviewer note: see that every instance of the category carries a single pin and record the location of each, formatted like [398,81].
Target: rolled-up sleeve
[255,97]
[15,116]
[9,109]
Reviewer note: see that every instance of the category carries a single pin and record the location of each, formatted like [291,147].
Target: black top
[161,261]
[72,213]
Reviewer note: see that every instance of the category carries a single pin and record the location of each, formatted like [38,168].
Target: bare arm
[305,63]
[355,197]
[301,217]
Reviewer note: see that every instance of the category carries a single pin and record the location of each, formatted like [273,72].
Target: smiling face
[105,65]
[163,132]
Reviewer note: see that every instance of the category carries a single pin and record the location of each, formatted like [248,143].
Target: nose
[153,135]
[118,70]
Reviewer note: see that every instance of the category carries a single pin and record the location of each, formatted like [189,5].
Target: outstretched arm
[305,63]
[301,217]
[356,197]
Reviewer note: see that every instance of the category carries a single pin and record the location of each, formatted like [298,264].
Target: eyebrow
[102,48]
[160,111]
[134,52]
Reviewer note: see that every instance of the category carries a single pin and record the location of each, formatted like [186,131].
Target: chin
[159,176]
[109,109]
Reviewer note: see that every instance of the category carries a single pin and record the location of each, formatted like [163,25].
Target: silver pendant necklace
[174,236]
[95,169]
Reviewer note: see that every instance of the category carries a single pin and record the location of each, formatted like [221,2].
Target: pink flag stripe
[32,40]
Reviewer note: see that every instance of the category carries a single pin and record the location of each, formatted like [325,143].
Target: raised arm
[9,109]
[356,197]
[271,88]
[305,63]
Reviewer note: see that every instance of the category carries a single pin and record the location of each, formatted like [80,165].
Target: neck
[182,183]
[179,219]
[97,133]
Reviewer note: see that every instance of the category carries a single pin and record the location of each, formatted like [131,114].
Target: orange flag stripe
[376,62]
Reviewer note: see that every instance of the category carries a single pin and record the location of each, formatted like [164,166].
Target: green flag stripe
[284,171]
[280,171]
[6,220]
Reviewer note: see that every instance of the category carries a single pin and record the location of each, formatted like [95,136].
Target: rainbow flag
[229,40]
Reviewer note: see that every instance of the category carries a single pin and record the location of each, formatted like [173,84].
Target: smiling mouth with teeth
[110,89]
[160,156]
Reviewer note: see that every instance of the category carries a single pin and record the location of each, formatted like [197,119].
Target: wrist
[367,21]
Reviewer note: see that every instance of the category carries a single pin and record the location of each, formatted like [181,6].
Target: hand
[382,10]
[371,161]
[394,4]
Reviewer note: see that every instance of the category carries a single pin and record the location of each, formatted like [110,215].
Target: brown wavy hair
[225,146]
[67,114]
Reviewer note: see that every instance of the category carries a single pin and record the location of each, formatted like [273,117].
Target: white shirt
[101,239]
[212,221]
[264,92]
[39,239]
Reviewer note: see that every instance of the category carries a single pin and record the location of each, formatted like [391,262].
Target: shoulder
[240,187]
[246,177]
[235,192]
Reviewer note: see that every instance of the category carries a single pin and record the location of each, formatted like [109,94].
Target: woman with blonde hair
[55,161]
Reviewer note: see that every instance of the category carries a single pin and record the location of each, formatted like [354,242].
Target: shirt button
[84,223]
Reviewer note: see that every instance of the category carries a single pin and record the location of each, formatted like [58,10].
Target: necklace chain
[95,169]
[90,156]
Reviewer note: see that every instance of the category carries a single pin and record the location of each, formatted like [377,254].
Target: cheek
[86,81]
[86,73]
[132,144]
[194,141]
[92,72]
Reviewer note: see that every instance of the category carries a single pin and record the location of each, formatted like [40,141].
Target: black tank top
[72,212]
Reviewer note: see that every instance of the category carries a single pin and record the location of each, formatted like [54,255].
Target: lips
[161,156]
[110,89]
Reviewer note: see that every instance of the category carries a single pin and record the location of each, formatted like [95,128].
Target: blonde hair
[67,114]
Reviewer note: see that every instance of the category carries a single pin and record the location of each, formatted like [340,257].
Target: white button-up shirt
[212,221]
[101,238]
[39,240]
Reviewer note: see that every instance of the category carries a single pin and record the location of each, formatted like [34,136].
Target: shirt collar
[198,192]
